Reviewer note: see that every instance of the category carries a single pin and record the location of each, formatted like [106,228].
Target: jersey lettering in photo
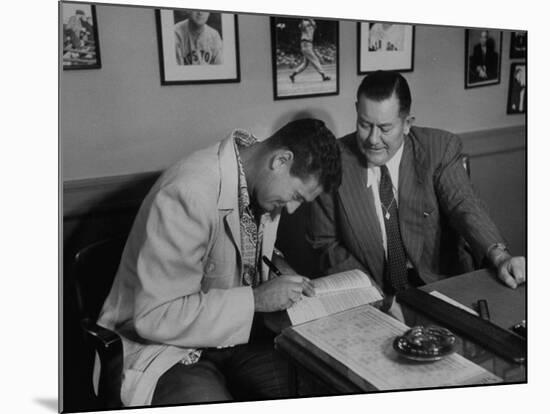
[197,57]
[197,49]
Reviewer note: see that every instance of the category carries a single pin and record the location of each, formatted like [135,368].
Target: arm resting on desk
[510,270]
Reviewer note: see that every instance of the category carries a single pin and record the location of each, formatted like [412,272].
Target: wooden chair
[94,268]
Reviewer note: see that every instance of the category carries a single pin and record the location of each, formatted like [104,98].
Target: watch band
[495,253]
[500,246]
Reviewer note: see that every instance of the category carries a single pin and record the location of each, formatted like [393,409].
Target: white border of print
[381,60]
[172,73]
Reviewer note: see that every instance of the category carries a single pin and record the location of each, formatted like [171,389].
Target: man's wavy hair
[315,150]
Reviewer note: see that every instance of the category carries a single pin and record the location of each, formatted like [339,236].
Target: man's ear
[409,120]
[281,158]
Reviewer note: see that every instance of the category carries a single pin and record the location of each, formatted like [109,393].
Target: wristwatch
[493,255]
[500,246]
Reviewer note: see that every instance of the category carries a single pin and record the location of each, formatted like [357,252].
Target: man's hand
[482,71]
[511,270]
[281,292]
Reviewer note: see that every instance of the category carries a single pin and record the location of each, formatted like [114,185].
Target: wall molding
[494,141]
[105,194]
[102,195]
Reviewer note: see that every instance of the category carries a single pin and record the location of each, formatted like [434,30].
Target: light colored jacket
[178,286]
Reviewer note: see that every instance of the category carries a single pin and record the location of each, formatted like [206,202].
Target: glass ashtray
[425,344]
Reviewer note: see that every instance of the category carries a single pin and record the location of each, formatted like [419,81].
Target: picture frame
[518,45]
[212,58]
[517,89]
[80,41]
[384,46]
[305,57]
[483,56]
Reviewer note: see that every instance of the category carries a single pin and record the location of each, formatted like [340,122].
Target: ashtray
[426,344]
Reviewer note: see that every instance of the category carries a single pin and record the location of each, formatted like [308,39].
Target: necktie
[396,265]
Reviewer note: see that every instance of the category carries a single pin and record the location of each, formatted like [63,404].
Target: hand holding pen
[308,289]
[282,291]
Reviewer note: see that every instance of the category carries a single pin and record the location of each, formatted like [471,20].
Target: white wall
[120,120]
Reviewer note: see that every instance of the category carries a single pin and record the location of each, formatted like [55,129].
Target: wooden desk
[506,306]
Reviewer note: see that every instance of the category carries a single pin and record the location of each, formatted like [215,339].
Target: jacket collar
[358,205]
[412,194]
[228,200]
[228,194]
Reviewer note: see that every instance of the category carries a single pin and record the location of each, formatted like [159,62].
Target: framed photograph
[483,57]
[80,40]
[518,45]
[305,57]
[384,46]
[517,89]
[198,47]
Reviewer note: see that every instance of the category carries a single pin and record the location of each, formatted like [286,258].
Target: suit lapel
[232,224]
[412,173]
[358,204]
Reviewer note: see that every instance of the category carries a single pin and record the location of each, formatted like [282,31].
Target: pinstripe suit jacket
[435,195]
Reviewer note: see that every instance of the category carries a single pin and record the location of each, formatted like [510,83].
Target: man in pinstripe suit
[360,226]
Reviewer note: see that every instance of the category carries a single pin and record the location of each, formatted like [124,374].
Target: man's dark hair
[315,151]
[382,84]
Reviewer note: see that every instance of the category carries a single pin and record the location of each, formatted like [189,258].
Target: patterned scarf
[251,230]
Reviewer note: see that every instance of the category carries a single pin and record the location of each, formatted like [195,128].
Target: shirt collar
[242,139]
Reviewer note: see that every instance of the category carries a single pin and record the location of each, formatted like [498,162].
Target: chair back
[465,158]
[94,269]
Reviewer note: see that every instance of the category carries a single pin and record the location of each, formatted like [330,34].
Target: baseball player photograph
[198,46]
[305,57]
[198,39]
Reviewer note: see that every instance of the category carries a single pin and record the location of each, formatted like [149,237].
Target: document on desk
[453,302]
[334,293]
[361,340]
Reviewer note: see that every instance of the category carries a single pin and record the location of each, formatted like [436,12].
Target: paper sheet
[453,302]
[362,338]
[341,281]
[334,293]
[322,305]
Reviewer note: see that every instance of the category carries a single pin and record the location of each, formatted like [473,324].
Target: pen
[271,266]
[483,309]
